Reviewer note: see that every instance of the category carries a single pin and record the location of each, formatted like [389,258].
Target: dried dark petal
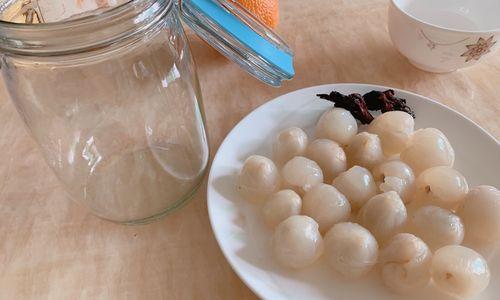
[398,103]
[375,100]
[353,103]
[360,111]
[386,101]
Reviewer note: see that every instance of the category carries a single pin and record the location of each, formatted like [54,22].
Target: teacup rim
[394,2]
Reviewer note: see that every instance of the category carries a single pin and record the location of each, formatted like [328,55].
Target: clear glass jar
[113,101]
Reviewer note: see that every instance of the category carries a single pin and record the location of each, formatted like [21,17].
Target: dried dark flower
[375,100]
[353,103]
[386,101]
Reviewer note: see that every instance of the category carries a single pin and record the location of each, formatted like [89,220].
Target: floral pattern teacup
[442,36]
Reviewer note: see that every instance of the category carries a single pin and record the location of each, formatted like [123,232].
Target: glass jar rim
[84,33]
[91,17]
[225,25]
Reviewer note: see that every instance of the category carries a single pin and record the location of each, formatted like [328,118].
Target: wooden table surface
[50,247]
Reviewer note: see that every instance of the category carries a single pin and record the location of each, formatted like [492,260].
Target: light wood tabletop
[51,247]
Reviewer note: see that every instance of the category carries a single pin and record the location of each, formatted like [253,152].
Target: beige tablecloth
[50,247]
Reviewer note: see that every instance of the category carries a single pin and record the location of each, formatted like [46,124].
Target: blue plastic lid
[238,35]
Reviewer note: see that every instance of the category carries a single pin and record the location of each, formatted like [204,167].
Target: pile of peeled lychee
[386,199]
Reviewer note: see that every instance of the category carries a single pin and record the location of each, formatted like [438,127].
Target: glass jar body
[120,125]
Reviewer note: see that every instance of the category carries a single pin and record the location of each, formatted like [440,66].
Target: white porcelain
[239,226]
[444,35]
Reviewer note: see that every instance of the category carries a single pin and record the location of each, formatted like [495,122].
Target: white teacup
[444,35]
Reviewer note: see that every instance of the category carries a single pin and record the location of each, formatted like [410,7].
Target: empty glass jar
[109,91]
[113,101]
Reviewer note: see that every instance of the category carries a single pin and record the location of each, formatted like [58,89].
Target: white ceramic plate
[239,228]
